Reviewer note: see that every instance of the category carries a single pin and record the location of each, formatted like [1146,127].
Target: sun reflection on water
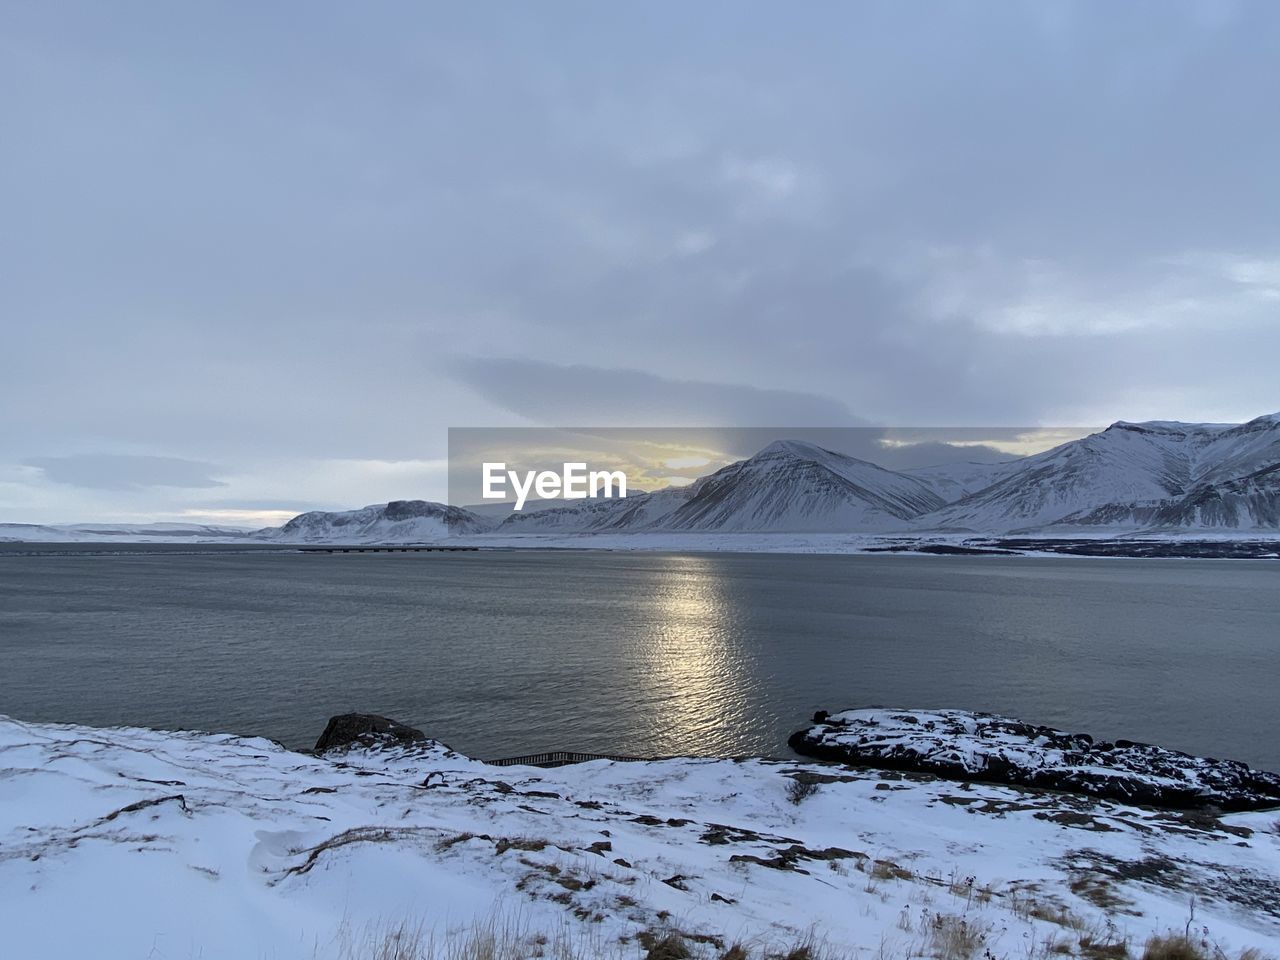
[695,677]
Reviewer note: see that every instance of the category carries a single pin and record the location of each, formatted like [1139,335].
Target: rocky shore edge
[963,745]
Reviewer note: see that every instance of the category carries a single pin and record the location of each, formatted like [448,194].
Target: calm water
[500,653]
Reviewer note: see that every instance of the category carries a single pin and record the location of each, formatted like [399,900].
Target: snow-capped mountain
[400,521]
[1131,476]
[1157,476]
[791,486]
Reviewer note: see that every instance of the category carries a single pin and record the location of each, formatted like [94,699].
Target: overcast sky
[258,257]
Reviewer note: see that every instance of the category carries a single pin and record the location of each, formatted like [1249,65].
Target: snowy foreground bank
[128,843]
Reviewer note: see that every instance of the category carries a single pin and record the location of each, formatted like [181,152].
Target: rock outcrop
[348,730]
[984,747]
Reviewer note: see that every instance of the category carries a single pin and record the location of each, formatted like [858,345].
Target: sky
[258,258]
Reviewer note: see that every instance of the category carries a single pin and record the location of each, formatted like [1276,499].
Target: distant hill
[400,521]
[125,532]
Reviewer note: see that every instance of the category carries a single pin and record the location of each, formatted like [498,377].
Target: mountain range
[1152,477]
[1134,476]
[1157,476]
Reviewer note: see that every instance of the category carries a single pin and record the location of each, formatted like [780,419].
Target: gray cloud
[102,471]
[558,394]
[268,236]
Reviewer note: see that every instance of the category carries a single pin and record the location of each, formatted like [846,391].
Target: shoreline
[1082,547]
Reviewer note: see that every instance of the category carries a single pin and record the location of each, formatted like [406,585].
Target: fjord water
[511,652]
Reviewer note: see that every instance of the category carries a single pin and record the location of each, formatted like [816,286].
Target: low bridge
[385,548]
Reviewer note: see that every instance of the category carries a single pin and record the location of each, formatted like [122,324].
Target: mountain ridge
[1156,476]
[401,521]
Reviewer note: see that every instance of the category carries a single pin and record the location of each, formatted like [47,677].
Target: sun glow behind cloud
[232,517]
[649,464]
[1023,444]
[679,463]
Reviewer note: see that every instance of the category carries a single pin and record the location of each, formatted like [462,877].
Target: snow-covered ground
[128,843]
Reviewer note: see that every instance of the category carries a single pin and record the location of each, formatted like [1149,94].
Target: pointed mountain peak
[794,448]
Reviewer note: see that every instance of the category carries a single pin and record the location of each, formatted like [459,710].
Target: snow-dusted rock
[364,730]
[982,746]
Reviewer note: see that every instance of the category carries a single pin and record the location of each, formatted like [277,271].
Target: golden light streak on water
[695,675]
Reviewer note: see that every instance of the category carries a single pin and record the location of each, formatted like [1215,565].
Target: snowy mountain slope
[1250,503]
[400,521]
[499,510]
[789,486]
[1122,477]
[954,481]
[792,486]
[634,512]
[1240,451]
[33,533]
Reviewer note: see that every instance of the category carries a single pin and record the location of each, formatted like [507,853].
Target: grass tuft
[669,947]
[1172,947]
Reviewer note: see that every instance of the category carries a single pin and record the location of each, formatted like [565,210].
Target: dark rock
[984,747]
[365,730]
